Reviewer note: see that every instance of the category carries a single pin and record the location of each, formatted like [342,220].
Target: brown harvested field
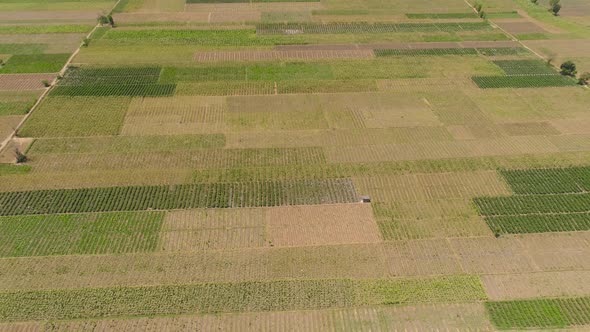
[18,82]
[161,17]
[239,16]
[343,137]
[178,115]
[488,255]
[558,251]
[195,230]
[7,154]
[282,55]
[515,145]
[539,284]
[422,187]
[519,27]
[422,317]
[261,6]
[572,126]
[423,257]
[7,124]
[398,45]
[321,225]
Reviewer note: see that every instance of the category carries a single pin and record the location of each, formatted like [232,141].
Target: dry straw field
[203,165]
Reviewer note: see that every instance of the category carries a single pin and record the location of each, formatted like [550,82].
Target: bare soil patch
[47,15]
[534,285]
[520,27]
[19,82]
[322,224]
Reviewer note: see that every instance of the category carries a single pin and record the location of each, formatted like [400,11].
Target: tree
[555,9]
[568,68]
[111,20]
[478,6]
[584,78]
[102,19]
[535,2]
[20,157]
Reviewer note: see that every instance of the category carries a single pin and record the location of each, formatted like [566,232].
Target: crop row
[539,223]
[137,90]
[185,37]
[233,297]
[548,181]
[529,204]
[97,233]
[37,28]
[525,67]
[441,15]
[541,313]
[210,195]
[363,27]
[426,51]
[106,76]
[487,82]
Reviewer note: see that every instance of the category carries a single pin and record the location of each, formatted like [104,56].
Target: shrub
[46,83]
[568,68]
[86,42]
[584,78]
[102,19]
[535,2]
[20,157]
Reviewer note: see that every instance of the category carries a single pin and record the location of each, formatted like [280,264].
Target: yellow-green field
[280,165]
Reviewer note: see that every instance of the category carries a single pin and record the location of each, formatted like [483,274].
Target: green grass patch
[512,14]
[548,181]
[127,144]
[340,12]
[15,107]
[533,204]
[275,295]
[541,313]
[490,82]
[210,195]
[185,36]
[34,63]
[69,234]
[525,67]
[9,169]
[111,90]
[364,27]
[492,51]
[39,29]
[22,48]
[441,15]
[77,116]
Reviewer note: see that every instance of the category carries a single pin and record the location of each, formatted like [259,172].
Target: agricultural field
[294,165]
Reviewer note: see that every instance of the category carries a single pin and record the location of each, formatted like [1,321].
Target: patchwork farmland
[284,165]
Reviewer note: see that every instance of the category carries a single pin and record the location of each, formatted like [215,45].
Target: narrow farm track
[51,86]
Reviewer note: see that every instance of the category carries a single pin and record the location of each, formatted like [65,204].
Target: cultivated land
[200,166]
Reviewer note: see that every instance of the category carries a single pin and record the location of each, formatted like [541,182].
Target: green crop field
[282,165]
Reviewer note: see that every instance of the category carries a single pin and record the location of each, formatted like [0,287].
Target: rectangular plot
[234,297]
[424,257]
[549,180]
[221,195]
[490,255]
[79,234]
[525,67]
[34,63]
[558,251]
[487,82]
[533,204]
[106,90]
[540,313]
[222,56]
[320,225]
[362,27]
[20,82]
[106,76]
[539,223]
[539,284]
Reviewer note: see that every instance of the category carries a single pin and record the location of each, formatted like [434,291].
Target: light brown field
[322,224]
[54,15]
[56,42]
[177,115]
[19,82]
[539,284]
[519,27]
[220,56]
[558,251]
[8,124]
[422,317]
